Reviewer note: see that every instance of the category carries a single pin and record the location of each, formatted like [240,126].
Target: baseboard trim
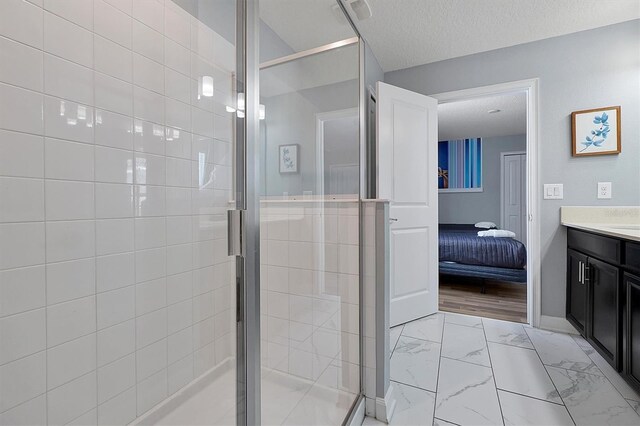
[558,324]
[386,406]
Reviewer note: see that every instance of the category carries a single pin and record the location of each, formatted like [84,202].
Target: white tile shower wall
[114,179]
[310,290]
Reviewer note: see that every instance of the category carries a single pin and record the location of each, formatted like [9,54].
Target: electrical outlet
[604,190]
[553,191]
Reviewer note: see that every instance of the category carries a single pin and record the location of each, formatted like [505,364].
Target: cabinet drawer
[632,256]
[603,248]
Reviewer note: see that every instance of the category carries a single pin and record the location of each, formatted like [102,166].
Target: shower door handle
[235,220]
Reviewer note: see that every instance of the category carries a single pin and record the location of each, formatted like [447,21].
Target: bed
[463,253]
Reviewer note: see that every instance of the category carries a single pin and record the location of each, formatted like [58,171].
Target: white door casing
[534,253]
[407,129]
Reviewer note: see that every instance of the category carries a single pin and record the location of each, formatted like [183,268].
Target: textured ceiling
[405,33]
[470,119]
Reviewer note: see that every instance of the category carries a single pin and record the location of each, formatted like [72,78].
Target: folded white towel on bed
[486,225]
[498,233]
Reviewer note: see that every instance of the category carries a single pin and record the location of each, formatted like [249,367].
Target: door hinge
[235,221]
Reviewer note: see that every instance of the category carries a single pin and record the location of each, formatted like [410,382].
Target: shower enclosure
[179,213]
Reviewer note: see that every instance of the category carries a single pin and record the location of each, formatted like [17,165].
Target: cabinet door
[576,290]
[632,284]
[604,321]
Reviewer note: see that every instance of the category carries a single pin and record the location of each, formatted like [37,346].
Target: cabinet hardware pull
[586,279]
[580,270]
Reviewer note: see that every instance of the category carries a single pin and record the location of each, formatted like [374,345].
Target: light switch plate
[604,190]
[553,191]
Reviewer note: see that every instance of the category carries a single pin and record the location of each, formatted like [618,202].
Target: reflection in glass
[309,218]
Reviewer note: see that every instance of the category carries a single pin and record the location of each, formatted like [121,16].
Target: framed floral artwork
[288,158]
[596,131]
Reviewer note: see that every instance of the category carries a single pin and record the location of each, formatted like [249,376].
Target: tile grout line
[133,215]
[414,387]
[549,376]
[95,210]
[531,397]
[443,420]
[493,376]
[435,400]
[604,375]
[164,217]
[44,203]
[466,362]
[395,345]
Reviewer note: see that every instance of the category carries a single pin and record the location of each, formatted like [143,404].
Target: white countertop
[618,222]
[626,232]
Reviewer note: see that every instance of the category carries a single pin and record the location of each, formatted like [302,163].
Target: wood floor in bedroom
[502,300]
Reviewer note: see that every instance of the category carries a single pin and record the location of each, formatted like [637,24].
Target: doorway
[482,250]
[525,300]
[426,352]
[337,154]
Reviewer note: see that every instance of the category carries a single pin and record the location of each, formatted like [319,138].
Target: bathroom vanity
[603,283]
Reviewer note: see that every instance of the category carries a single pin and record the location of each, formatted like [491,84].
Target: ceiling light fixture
[360,8]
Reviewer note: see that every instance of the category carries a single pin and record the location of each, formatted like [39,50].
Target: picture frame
[288,156]
[460,165]
[596,132]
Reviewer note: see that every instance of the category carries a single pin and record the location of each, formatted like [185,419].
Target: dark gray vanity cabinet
[604,329]
[603,297]
[593,291]
[631,284]
[576,289]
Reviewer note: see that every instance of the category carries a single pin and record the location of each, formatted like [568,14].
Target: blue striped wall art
[460,165]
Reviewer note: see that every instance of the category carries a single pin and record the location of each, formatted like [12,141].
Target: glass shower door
[309,218]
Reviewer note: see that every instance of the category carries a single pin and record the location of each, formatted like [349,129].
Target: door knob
[393,219]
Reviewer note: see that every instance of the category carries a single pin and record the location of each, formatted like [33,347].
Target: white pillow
[486,225]
[498,233]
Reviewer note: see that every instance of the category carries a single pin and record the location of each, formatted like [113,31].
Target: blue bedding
[461,244]
[490,272]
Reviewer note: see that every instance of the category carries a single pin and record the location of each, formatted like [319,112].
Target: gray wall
[372,69]
[589,69]
[472,207]
[291,118]
[219,15]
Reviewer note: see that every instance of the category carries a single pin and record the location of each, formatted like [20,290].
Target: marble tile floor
[452,369]
[286,400]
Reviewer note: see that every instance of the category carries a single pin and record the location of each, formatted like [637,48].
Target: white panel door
[514,195]
[407,141]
